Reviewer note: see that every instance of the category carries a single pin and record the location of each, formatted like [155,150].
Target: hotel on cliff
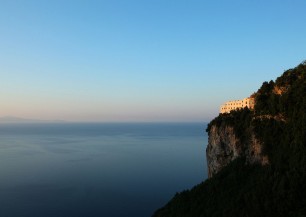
[237,104]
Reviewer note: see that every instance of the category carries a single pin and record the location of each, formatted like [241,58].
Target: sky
[142,60]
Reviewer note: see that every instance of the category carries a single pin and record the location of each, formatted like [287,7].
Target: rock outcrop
[224,146]
[272,133]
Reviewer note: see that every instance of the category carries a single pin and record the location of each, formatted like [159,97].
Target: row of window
[225,107]
[236,103]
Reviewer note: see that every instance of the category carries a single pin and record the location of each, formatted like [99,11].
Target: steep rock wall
[225,146]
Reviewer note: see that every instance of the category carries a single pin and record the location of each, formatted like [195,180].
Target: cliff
[256,158]
[224,146]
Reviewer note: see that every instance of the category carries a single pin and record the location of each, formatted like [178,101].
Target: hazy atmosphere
[142,60]
[161,108]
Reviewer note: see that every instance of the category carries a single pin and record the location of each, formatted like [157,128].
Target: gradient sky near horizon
[142,60]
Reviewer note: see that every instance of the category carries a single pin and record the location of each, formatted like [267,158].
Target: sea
[97,169]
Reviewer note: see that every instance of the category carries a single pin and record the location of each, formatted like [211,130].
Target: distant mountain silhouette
[13,119]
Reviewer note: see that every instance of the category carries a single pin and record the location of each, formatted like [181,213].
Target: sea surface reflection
[111,170]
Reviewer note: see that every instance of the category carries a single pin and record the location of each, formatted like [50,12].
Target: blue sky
[154,60]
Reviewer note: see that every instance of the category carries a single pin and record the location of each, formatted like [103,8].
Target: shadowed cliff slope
[256,159]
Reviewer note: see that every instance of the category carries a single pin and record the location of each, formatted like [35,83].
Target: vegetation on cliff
[242,189]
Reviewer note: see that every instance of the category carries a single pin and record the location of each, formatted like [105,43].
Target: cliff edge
[256,158]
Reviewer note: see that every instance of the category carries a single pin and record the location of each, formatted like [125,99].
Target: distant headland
[14,119]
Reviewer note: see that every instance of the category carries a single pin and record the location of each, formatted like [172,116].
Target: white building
[237,104]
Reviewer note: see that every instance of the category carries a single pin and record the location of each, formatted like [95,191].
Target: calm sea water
[97,170]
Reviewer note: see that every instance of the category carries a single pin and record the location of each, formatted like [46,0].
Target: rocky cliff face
[225,146]
[276,128]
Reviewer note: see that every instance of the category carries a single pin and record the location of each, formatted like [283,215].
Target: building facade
[237,104]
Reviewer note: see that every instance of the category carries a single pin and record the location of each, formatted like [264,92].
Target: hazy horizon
[14,119]
[142,61]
